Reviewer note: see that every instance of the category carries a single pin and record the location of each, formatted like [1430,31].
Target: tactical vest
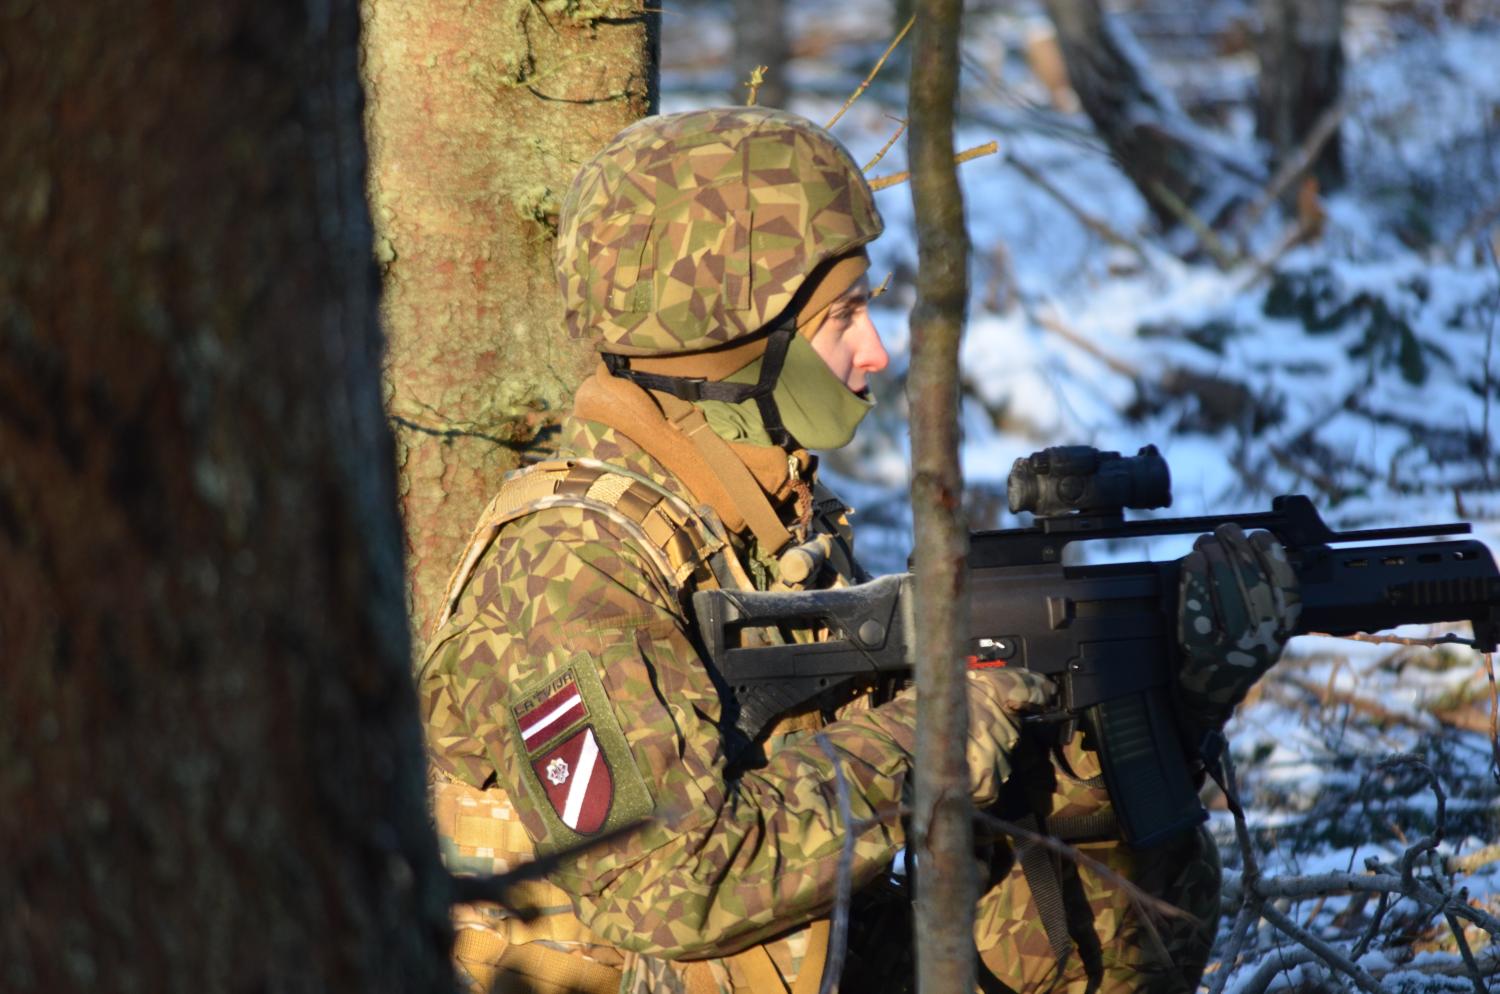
[479,830]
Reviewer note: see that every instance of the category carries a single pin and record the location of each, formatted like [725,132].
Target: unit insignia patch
[574,747]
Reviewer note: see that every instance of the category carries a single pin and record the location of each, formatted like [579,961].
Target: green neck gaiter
[816,407]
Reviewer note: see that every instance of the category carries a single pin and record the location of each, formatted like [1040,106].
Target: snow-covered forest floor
[1359,368]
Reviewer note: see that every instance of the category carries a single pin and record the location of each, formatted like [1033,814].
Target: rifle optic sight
[1080,479]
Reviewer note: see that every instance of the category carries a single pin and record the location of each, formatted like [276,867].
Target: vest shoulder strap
[677,540]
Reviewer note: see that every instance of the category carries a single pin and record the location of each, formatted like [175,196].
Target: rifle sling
[1042,873]
[1046,891]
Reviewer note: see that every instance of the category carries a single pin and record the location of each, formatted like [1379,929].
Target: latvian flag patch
[565,755]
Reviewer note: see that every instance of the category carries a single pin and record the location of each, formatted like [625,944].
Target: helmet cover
[693,230]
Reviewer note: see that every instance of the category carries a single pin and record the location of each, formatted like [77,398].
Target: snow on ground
[1361,370]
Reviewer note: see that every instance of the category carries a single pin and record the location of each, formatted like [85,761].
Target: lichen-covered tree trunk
[211,773]
[941,821]
[479,116]
[1301,76]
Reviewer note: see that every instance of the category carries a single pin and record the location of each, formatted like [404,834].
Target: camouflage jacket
[565,627]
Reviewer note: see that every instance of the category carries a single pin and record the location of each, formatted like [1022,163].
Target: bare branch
[1382,905]
[900,130]
[756,81]
[1324,951]
[1400,639]
[1238,935]
[1231,788]
[1465,952]
[865,84]
[1474,860]
[1426,843]
[988,148]
[1277,962]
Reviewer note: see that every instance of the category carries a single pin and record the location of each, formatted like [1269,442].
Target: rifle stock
[1105,633]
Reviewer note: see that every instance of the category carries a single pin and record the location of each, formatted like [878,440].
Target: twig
[1231,788]
[988,148]
[838,938]
[1245,918]
[1368,708]
[1382,905]
[1270,967]
[1250,900]
[865,85]
[1092,222]
[1324,951]
[1302,888]
[1465,952]
[1180,210]
[900,130]
[1400,639]
[1428,842]
[1322,130]
[1423,894]
[757,80]
[1474,860]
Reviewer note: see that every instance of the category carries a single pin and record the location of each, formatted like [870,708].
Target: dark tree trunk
[211,773]
[480,115]
[1143,128]
[761,39]
[1301,77]
[942,834]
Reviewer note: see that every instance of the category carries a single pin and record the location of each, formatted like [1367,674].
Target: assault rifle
[1106,634]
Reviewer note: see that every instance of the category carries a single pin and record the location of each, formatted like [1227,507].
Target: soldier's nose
[872,356]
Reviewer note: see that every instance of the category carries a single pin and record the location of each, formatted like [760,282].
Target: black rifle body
[1105,633]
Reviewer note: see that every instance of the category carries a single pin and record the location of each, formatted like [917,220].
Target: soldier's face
[848,341]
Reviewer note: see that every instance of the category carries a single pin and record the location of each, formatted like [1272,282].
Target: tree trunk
[211,772]
[479,116]
[761,39]
[941,822]
[1301,77]
[1147,134]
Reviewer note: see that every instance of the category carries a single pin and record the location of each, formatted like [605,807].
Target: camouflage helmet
[693,230]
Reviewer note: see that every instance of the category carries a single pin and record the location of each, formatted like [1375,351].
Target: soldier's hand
[998,699]
[1239,601]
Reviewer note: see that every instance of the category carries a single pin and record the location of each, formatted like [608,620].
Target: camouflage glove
[997,700]
[1238,603]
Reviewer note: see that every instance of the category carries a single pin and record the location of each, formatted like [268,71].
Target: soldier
[717,259]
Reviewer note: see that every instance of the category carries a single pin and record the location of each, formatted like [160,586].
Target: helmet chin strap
[693,388]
